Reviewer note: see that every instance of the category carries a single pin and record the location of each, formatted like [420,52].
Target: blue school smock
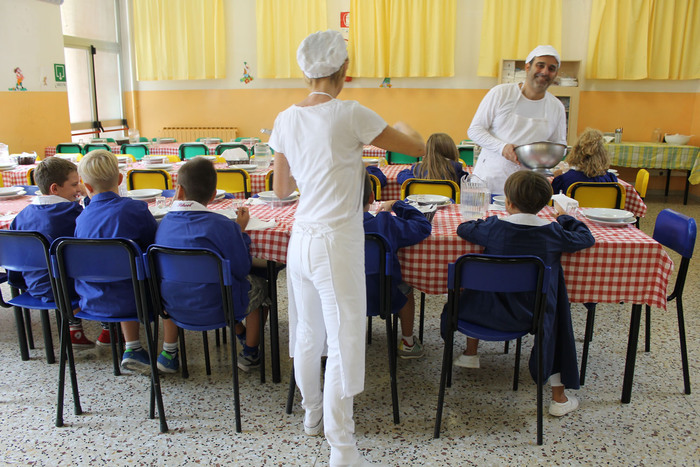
[109,216]
[548,242]
[411,173]
[377,172]
[562,183]
[408,227]
[54,217]
[207,229]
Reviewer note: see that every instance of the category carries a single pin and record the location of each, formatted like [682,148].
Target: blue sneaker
[136,360]
[168,362]
[248,362]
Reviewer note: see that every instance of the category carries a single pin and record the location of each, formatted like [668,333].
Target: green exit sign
[59,72]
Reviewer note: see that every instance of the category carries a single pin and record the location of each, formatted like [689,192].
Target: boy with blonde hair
[109,216]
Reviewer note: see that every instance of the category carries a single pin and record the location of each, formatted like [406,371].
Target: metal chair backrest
[414,186]
[137,179]
[676,231]
[190,150]
[68,148]
[376,187]
[24,251]
[190,268]
[269,179]
[398,158]
[224,146]
[233,180]
[598,194]
[136,150]
[642,182]
[378,272]
[30,176]
[92,146]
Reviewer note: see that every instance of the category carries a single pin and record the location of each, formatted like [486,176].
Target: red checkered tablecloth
[16,176]
[625,264]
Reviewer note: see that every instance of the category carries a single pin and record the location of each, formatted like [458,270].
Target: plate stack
[612,217]
[437,200]
[145,194]
[11,192]
[272,199]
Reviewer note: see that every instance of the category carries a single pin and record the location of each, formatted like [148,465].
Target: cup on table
[161,203]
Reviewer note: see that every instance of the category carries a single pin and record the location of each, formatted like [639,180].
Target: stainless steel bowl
[541,155]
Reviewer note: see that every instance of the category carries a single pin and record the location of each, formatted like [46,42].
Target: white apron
[491,166]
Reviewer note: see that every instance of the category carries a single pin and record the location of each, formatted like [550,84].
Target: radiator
[184,134]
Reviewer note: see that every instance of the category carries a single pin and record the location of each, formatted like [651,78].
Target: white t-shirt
[323,145]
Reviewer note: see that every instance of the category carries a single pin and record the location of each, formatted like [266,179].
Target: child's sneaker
[78,339]
[411,351]
[168,362]
[136,360]
[104,339]
[246,362]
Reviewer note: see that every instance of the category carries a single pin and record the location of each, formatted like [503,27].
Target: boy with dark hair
[109,216]
[189,224]
[53,214]
[524,233]
[408,227]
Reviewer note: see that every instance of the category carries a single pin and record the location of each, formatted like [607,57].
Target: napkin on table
[565,205]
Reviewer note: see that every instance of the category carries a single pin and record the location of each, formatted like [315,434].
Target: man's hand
[509,153]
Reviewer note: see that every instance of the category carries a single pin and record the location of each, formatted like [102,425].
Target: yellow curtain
[510,29]
[281,26]
[179,39]
[402,38]
[639,39]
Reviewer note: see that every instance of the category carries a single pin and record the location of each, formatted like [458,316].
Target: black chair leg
[183,352]
[647,330]
[207,361]
[540,383]
[261,347]
[516,372]
[114,338]
[48,339]
[155,378]
[446,368]
[586,340]
[684,348]
[392,369]
[274,322]
[28,327]
[421,322]
[369,330]
[236,395]
[506,346]
[292,390]
[631,358]
[21,334]
[217,339]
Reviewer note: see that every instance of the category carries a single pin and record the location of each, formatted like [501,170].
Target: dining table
[624,265]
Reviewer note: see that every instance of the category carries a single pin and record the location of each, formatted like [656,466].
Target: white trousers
[327,306]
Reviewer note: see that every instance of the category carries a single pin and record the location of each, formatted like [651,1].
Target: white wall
[31,39]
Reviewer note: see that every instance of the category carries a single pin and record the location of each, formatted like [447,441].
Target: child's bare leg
[252,329]
[130,330]
[472,346]
[406,314]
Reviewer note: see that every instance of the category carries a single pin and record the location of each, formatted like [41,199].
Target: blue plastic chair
[190,150]
[677,232]
[24,251]
[504,274]
[119,259]
[191,268]
[378,272]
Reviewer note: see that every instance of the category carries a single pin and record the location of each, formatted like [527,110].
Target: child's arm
[476,231]
[577,236]
[408,227]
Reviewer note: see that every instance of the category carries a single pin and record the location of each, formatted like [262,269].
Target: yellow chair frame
[140,178]
[376,187]
[642,182]
[233,180]
[30,177]
[598,194]
[269,178]
[423,186]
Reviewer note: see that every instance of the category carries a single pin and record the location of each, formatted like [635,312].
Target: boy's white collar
[526,219]
[45,200]
[187,205]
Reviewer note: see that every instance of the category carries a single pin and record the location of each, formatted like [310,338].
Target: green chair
[136,150]
[224,146]
[467,155]
[241,138]
[190,150]
[92,146]
[68,148]
[111,140]
[143,139]
[398,158]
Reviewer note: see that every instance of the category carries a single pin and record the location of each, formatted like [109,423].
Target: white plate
[270,196]
[246,167]
[13,195]
[612,171]
[10,190]
[209,158]
[609,215]
[631,220]
[430,199]
[370,160]
[158,166]
[7,166]
[500,200]
[145,193]
[123,158]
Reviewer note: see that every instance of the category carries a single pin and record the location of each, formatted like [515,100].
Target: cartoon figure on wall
[20,77]
[247,77]
[386,83]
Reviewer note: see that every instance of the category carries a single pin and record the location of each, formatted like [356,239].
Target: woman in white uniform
[318,147]
[514,114]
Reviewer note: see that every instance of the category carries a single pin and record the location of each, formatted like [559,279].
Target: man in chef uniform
[518,113]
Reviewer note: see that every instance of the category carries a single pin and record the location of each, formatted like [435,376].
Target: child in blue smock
[53,213]
[441,162]
[523,233]
[408,227]
[589,162]
[189,224]
[109,216]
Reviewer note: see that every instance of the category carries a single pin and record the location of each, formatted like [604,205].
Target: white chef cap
[322,53]
[541,50]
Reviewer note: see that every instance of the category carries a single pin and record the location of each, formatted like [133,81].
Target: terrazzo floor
[484,421]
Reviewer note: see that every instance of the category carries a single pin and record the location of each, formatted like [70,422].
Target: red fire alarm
[344,19]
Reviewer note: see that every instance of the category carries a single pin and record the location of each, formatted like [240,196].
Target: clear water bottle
[475,197]
[262,155]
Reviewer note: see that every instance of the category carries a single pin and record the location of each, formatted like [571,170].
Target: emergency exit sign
[59,72]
